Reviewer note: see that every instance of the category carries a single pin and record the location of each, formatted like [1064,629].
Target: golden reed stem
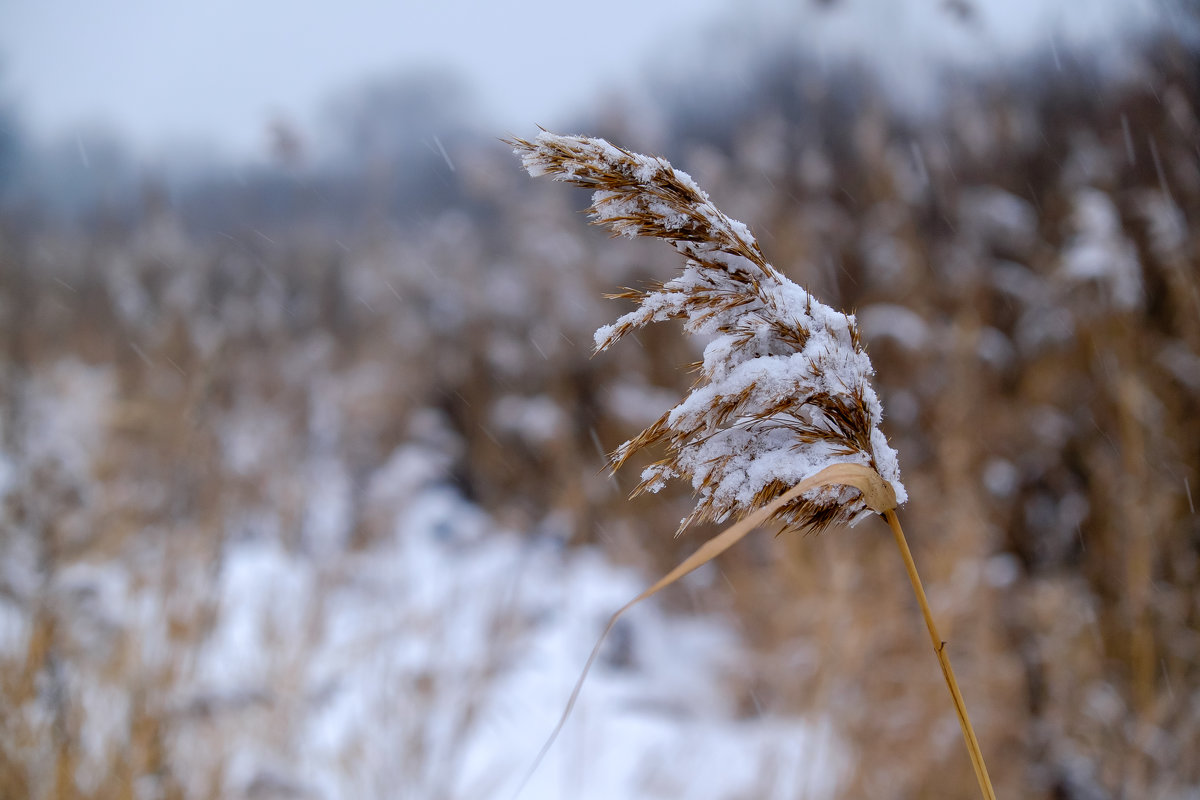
[939,647]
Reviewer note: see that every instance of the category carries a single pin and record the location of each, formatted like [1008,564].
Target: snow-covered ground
[442,658]
[431,662]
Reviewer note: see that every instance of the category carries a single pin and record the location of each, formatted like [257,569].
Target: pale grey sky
[163,72]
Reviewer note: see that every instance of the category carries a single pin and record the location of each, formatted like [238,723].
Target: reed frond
[784,389]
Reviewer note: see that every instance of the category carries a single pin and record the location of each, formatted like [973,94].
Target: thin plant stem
[939,647]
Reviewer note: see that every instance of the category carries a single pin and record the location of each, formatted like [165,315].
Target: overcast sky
[222,68]
[219,71]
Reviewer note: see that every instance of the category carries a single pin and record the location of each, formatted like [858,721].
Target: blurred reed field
[224,399]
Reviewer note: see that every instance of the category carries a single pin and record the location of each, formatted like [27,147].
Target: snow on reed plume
[784,389]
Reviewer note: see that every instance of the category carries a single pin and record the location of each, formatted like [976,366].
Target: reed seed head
[784,388]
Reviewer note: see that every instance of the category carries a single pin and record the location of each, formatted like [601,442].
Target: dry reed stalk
[782,423]
[939,648]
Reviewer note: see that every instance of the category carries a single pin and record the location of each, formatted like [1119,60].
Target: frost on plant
[784,388]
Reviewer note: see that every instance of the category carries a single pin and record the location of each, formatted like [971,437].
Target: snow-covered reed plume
[782,422]
[784,389]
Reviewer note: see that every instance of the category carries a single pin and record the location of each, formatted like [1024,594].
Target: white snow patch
[637,402]
[329,512]
[68,405]
[902,325]
[1001,477]
[1099,252]
[999,217]
[537,419]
